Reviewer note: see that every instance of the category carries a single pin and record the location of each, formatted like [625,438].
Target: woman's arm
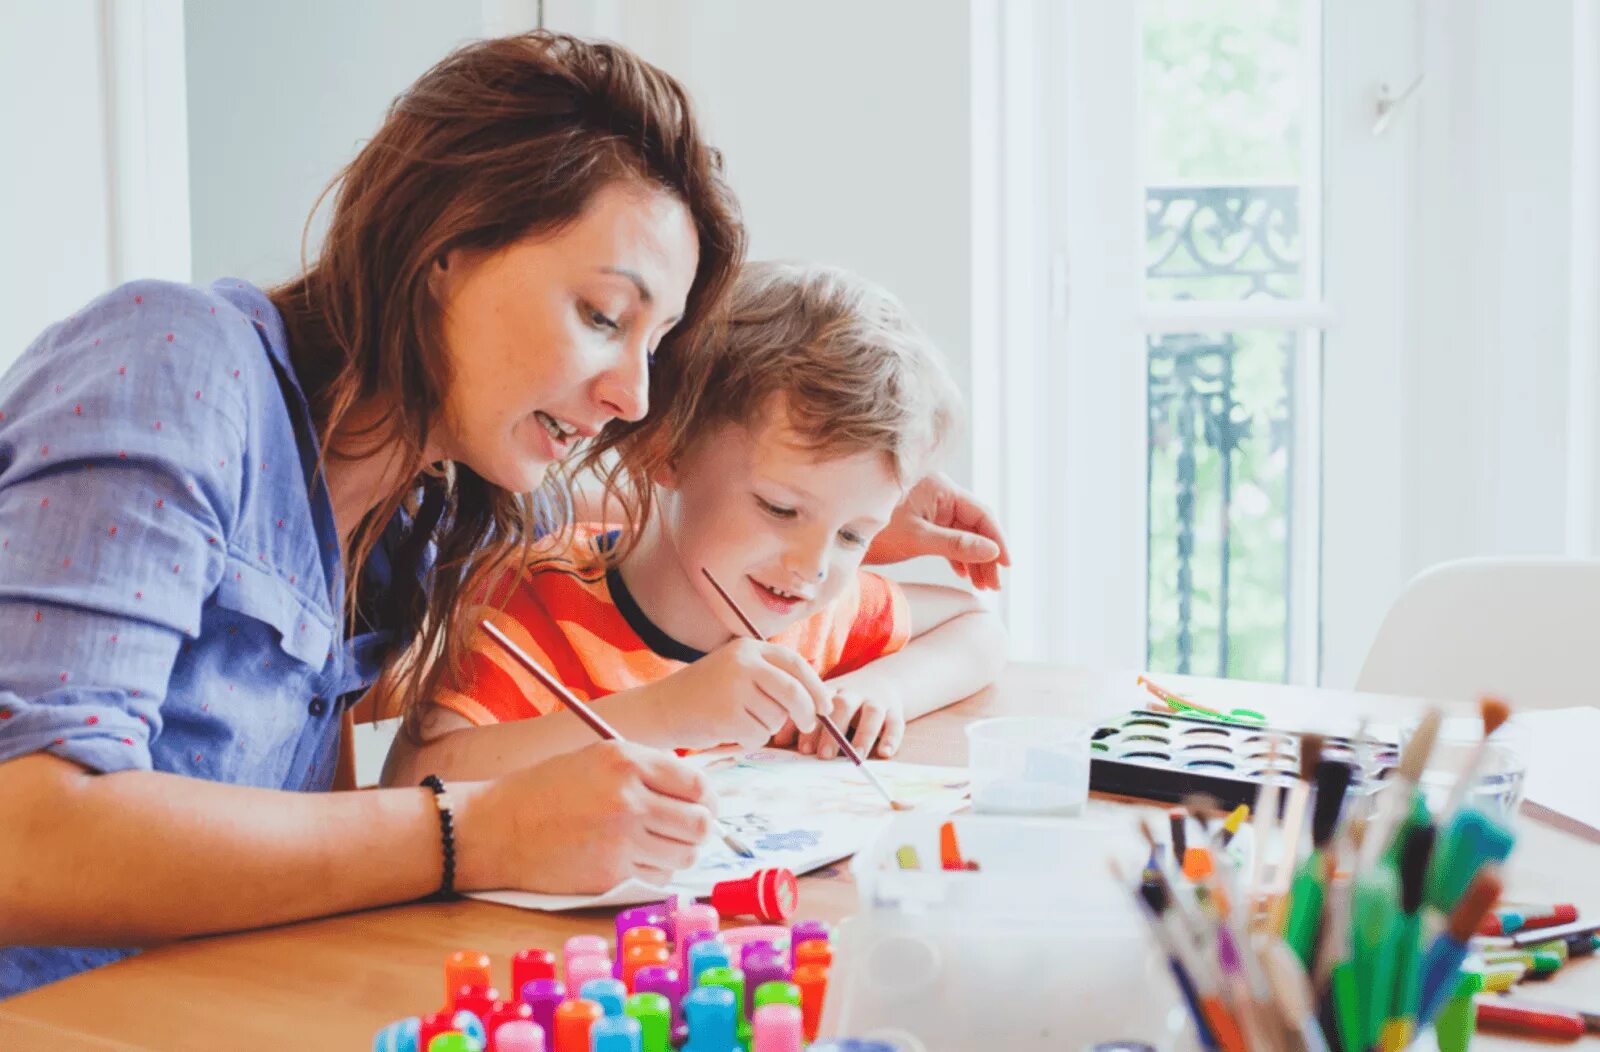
[141,856]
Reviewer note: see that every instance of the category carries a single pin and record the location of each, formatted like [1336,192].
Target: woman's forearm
[453,748]
[138,857]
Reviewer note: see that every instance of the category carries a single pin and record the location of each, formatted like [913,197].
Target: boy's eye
[775,510]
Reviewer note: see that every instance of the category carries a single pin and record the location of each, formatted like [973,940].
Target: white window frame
[1059,430]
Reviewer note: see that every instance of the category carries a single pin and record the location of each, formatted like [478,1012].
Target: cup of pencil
[1350,925]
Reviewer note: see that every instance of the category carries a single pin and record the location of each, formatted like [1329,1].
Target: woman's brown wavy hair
[503,139]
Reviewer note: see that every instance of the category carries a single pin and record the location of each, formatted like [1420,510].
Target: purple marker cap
[680,954]
[659,979]
[764,965]
[654,915]
[750,949]
[542,995]
[805,931]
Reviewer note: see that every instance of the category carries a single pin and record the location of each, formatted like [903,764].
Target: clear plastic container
[1029,765]
[1037,949]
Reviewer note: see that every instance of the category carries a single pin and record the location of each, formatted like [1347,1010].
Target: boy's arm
[957,647]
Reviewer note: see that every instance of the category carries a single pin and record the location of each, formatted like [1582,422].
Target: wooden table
[332,983]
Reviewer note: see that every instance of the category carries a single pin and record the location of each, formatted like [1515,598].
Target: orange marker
[812,979]
[949,849]
[574,1017]
[465,968]
[814,951]
[643,955]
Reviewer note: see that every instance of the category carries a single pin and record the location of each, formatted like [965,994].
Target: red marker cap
[475,998]
[1509,1016]
[531,964]
[504,1012]
[769,895]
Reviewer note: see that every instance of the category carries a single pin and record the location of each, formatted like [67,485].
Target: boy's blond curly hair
[856,373]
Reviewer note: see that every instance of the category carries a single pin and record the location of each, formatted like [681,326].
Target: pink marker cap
[582,968]
[519,1035]
[777,1028]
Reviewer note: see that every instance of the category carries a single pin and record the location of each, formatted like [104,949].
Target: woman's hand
[940,518]
[869,712]
[583,822]
[739,693]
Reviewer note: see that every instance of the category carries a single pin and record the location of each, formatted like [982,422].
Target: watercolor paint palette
[1165,757]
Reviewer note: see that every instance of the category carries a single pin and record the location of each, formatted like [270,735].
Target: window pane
[1220,478]
[1225,87]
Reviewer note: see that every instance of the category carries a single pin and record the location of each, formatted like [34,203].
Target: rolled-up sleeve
[120,480]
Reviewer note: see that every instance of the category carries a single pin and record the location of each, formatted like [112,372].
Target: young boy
[793,433]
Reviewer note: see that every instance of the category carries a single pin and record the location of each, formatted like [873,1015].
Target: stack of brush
[1354,941]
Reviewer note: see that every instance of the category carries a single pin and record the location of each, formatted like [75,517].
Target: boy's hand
[869,711]
[741,692]
[940,518]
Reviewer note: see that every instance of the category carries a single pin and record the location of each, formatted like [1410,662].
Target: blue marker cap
[469,1023]
[614,1033]
[712,1017]
[609,994]
[703,955]
[400,1036]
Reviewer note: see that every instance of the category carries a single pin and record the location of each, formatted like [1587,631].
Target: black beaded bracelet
[441,797]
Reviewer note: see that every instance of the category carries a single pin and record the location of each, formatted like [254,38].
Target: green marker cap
[654,1013]
[1455,1024]
[778,992]
[454,1041]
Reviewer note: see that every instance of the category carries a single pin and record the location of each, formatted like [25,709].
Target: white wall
[845,129]
[55,182]
[281,96]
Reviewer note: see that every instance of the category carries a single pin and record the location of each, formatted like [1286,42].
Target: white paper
[1560,747]
[793,811]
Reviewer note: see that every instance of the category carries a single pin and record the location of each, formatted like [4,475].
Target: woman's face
[550,338]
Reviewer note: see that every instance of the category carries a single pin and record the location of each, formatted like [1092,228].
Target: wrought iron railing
[1219,243]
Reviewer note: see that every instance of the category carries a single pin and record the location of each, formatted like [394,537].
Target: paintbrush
[1308,892]
[1493,712]
[827,724]
[1294,818]
[581,710]
[1401,1023]
[1399,799]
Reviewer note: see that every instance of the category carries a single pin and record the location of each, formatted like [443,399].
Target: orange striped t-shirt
[579,620]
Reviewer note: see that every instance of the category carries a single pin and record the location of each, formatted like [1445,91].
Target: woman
[224,512]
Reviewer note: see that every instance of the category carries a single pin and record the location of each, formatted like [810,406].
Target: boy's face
[781,527]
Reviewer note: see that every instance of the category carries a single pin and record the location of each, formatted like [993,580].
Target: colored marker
[465,968]
[519,1035]
[503,1012]
[583,946]
[531,964]
[542,996]
[1447,952]
[906,857]
[1529,1020]
[813,983]
[1529,938]
[575,1017]
[454,1041]
[615,1033]
[704,956]
[777,1028]
[609,994]
[768,895]
[732,980]
[690,923]
[710,1012]
[949,848]
[654,1013]
[399,1036]
[581,969]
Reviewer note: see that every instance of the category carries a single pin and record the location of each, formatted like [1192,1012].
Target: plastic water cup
[1029,765]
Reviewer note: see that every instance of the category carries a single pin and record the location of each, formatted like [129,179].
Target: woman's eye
[598,319]
[852,538]
[775,510]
